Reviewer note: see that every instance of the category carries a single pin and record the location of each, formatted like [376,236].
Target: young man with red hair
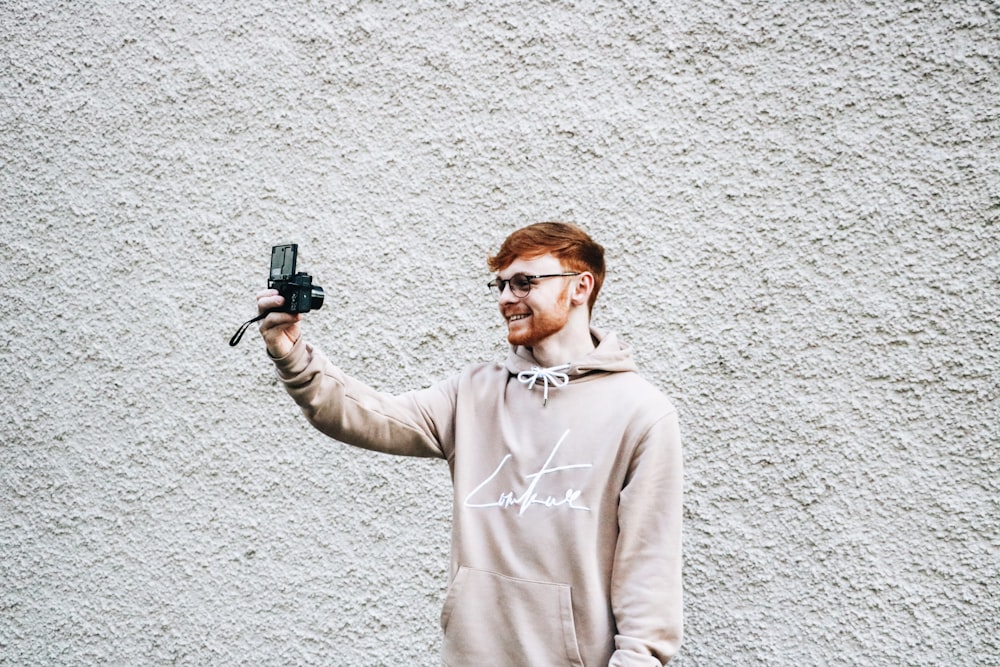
[566,466]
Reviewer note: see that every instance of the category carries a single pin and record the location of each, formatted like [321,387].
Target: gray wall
[800,206]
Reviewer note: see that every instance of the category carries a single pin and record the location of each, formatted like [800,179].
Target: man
[566,466]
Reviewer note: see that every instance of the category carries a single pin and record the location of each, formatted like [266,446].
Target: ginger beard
[539,324]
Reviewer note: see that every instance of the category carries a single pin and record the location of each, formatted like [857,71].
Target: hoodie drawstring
[552,375]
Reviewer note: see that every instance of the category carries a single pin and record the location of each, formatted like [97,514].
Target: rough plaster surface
[800,206]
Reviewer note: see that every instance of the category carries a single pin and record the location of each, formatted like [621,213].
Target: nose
[507,295]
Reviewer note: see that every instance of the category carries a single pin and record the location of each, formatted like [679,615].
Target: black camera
[300,294]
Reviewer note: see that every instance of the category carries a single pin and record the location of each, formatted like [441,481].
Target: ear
[584,286]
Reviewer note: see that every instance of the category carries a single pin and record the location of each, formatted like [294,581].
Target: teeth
[512,318]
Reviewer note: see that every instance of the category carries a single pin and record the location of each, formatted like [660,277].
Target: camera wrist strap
[238,336]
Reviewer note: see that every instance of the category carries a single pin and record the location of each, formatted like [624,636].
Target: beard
[539,325]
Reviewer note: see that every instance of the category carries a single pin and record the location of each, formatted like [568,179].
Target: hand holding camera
[289,294]
[279,328]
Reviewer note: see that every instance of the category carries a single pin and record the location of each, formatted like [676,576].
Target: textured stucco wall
[800,204]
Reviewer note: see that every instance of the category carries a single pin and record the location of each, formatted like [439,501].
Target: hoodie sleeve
[646,590]
[412,424]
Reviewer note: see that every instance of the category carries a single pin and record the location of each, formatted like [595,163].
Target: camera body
[300,294]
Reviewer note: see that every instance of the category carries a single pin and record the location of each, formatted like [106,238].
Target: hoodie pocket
[497,621]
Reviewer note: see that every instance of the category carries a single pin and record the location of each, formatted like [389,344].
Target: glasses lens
[520,285]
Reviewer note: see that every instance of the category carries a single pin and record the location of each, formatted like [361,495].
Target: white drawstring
[552,375]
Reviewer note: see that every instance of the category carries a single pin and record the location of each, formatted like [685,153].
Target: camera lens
[317,297]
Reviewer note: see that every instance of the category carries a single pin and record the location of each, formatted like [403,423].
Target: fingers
[269,299]
[279,322]
[280,330]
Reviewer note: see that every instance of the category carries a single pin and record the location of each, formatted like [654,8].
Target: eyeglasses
[521,284]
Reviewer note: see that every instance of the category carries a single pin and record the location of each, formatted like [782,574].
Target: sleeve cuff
[294,361]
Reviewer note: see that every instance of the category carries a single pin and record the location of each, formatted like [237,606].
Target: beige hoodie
[566,537]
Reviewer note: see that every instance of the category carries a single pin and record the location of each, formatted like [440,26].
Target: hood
[610,356]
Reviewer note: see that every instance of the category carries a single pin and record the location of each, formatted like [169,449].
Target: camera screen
[283,261]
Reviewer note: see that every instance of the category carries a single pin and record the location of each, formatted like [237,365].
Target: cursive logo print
[531,495]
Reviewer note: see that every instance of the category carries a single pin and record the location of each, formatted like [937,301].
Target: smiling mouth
[519,316]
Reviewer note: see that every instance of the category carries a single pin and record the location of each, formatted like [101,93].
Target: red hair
[566,242]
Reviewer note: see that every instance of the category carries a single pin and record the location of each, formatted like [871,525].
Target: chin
[518,340]
[522,338]
[526,338]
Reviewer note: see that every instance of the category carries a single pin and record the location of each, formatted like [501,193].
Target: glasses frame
[498,285]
